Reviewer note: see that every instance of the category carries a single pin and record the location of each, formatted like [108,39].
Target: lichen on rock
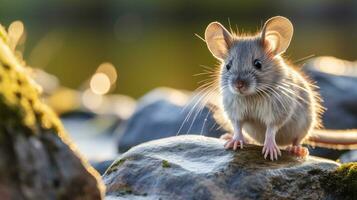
[38,161]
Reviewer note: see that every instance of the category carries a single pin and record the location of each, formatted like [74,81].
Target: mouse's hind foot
[298,151]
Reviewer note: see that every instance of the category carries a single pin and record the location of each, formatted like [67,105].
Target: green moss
[115,165]
[3,34]
[123,190]
[342,181]
[20,103]
[165,164]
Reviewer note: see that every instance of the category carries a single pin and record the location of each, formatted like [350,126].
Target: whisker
[204,122]
[295,85]
[199,37]
[205,99]
[200,95]
[303,58]
[230,26]
[206,67]
[293,93]
[197,95]
[277,96]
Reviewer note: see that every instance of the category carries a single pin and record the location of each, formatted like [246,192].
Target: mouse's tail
[334,139]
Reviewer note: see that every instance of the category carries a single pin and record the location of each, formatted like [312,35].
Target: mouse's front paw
[270,148]
[234,143]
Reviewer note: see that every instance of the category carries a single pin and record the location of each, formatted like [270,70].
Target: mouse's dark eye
[228,66]
[257,64]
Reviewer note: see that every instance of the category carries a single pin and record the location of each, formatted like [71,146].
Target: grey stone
[101,166]
[162,113]
[339,94]
[350,156]
[198,167]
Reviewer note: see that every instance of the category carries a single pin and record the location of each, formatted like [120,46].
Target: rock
[78,114]
[332,154]
[198,167]
[338,91]
[102,166]
[38,161]
[337,80]
[161,113]
[343,181]
[350,156]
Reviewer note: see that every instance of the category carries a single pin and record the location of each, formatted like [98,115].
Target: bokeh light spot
[109,70]
[332,65]
[90,100]
[100,83]
[16,29]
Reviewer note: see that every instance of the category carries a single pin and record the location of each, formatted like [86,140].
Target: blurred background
[152,43]
[94,58]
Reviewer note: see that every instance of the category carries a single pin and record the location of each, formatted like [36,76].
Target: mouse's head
[250,63]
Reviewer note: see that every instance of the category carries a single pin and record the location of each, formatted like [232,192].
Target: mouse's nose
[240,84]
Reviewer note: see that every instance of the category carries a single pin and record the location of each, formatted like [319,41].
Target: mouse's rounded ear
[277,33]
[218,40]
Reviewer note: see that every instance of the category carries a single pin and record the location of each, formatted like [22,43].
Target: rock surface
[161,113]
[350,156]
[339,96]
[38,161]
[101,166]
[198,167]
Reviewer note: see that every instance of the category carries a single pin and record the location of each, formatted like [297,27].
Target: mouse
[267,100]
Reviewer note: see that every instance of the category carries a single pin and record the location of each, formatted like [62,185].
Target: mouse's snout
[240,84]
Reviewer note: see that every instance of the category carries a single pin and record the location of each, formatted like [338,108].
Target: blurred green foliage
[152,43]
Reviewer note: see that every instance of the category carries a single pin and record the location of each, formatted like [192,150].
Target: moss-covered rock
[37,160]
[342,181]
